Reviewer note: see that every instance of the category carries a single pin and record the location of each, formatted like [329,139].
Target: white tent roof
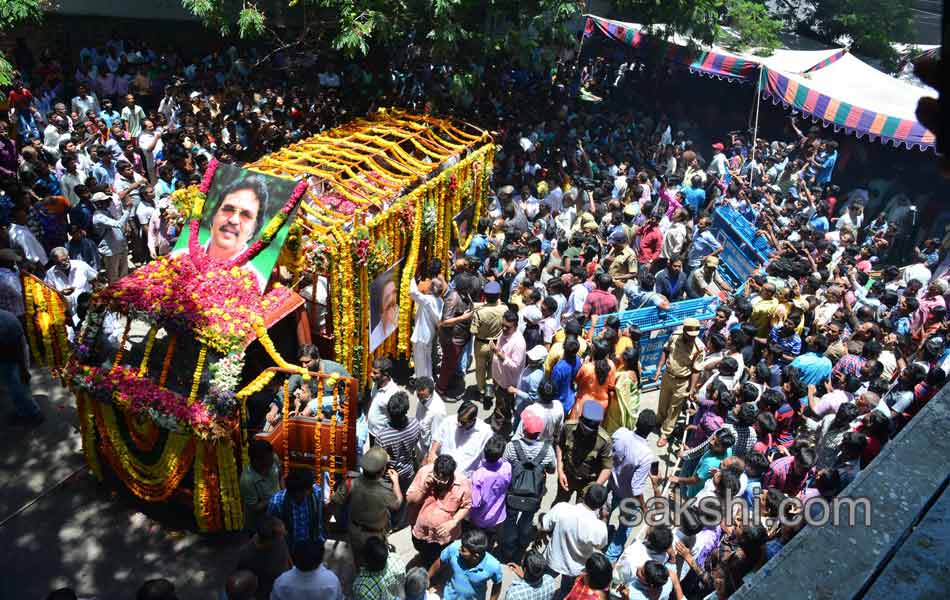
[852,80]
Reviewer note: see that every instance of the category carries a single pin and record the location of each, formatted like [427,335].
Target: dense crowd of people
[805,373]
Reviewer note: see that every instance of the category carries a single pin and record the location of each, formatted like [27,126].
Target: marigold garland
[143,431]
[117,361]
[232,509]
[87,430]
[408,272]
[284,421]
[196,379]
[45,319]
[317,426]
[154,482]
[149,343]
[167,363]
[30,314]
[258,384]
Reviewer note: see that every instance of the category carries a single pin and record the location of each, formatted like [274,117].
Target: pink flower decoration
[209,175]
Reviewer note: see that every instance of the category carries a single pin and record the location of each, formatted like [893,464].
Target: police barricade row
[743,233]
[657,325]
[742,250]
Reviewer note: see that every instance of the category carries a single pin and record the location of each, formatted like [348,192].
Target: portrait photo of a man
[238,218]
[383,306]
[238,206]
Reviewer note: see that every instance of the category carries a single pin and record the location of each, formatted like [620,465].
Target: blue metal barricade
[657,326]
[742,250]
[755,247]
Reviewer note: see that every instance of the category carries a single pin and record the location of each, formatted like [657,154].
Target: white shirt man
[70,277]
[576,533]
[719,165]
[169,107]
[151,144]
[377,419]
[428,314]
[83,104]
[531,206]
[575,302]
[465,446]
[303,585]
[52,136]
[430,412]
[674,241]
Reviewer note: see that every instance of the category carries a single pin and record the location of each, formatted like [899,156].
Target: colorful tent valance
[853,96]
[713,61]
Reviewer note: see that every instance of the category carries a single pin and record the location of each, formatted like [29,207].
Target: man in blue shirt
[563,373]
[300,507]
[479,247]
[813,366]
[695,195]
[704,244]
[109,114]
[472,568]
[825,163]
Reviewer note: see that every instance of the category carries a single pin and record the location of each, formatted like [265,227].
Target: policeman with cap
[621,261]
[683,356]
[366,502]
[486,327]
[584,453]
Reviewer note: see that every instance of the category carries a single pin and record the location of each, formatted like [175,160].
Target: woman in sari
[595,380]
[622,412]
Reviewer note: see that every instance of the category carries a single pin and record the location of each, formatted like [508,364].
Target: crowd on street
[796,384]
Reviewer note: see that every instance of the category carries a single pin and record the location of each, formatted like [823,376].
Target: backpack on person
[527,479]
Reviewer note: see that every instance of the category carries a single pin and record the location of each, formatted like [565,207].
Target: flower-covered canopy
[362,167]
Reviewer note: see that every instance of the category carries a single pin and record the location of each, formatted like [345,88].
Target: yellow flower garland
[152,482]
[87,430]
[408,272]
[199,369]
[285,420]
[232,510]
[258,384]
[317,426]
[149,343]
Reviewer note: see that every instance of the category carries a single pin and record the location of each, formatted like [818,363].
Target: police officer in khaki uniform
[486,327]
[683,356]
[622,262]
[584,453]
[368,500]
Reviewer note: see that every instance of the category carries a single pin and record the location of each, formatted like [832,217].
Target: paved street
[60,527]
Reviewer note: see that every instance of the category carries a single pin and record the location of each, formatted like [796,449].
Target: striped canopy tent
[853,96]
[712,61]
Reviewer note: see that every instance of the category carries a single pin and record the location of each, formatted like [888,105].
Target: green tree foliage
[456,31]
[754,26]
[13,13]
[750,24]
[871,24]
